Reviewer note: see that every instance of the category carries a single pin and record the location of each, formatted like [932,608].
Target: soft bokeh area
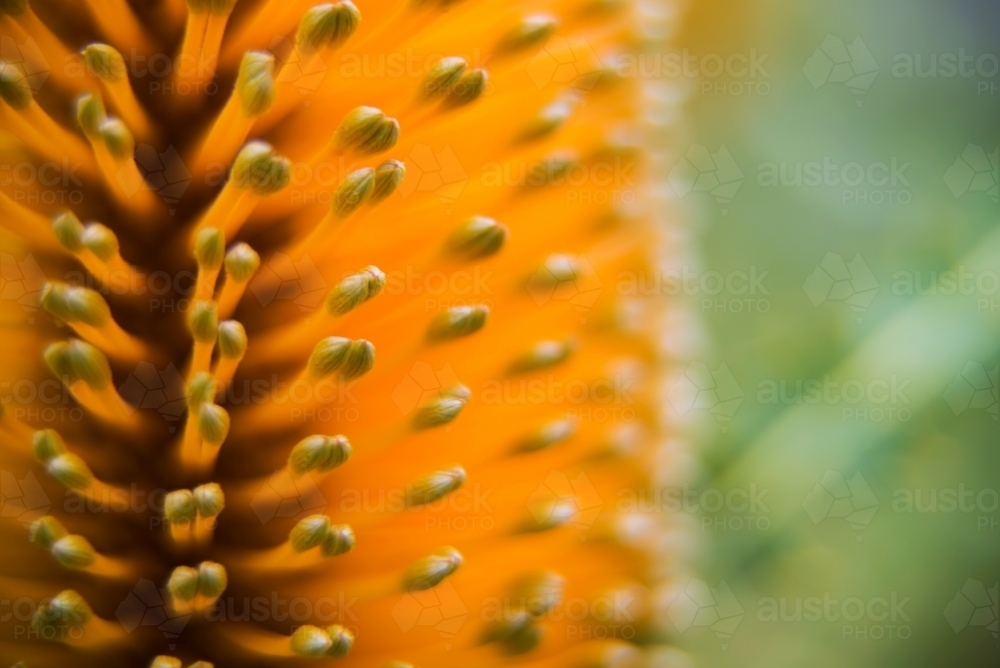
[840,169]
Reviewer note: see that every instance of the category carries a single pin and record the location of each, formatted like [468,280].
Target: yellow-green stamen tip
[435,486]
[388,176]
[213,423]
[100,241]
[209,500]
[73,552]
[88,364]
[353,191]
[203,321]
[45,531]
[232,339]
[117,138]
[318,452]
[309,533]
[64,611]
[183,583]
[443,409]
[429,571]
[469,88]
[260,169]
[457,321]
[327,26]
[255,83]
[355,290]
[69,231]
[543,354]
[445,74]
[336,354]
[531,30]
[478,237]
[70,471]
[75,304]
[14,88]
[210,248]
[366,130]
[104,62]
[163,661]
[242,262]
[46,444]
[200,388]
[212,579]
[339,540]
[179,507]
[90,114]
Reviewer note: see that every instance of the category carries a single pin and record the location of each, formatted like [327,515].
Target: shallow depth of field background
[881,486]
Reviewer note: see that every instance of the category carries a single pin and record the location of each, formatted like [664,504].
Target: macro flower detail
[320,400]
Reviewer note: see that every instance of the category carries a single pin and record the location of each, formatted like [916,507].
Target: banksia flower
[329,362]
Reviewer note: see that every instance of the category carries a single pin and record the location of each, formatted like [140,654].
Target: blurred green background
[844,407]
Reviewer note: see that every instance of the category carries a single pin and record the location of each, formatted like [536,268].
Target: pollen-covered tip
[339,540]
[101,241]
[457,321]
[241,262]
[64,611]
[90,114]
[353,191]
[232,339]
[210,248]
[203,320]
[540,592]
[366,130]
[327,26]
[478,237]
[57,359]
[104,62]
[442,76]
[69,231]
[551,169]
[70,470]
[73,552]
[354,290]
[117,138]
[429,571]
[341,639]
[46,444]
[212,579]
[541,355]
[255,83]
[75,304]
[88,364]
[163,661]
[559,267]
[310,641]
[200,388]
[336,354]
[209,500]
[551,117]
[549,434]
[388,176]
[551,514]
[213,423]
[45,531]
[259,168]
[318,452]
[442,409]
[435,486]
[14,87]
[468,89]
[183,583]
[309,533]
[531,30]
[179,507]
